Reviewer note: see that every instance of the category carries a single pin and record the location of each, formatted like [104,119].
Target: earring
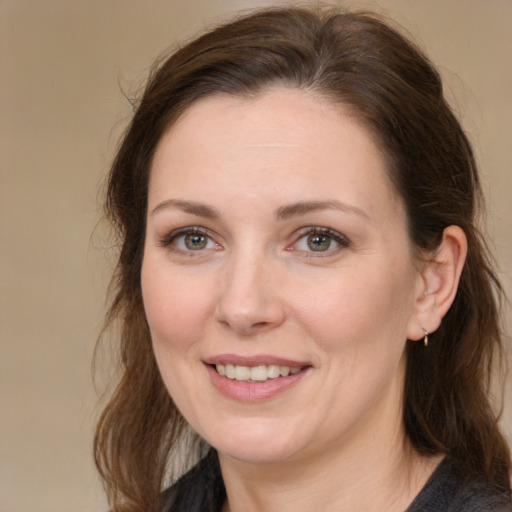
[425,339]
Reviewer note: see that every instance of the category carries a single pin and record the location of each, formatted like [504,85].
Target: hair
[358,61]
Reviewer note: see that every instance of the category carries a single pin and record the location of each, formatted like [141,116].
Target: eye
[191,239]
[194,241]
[320,240]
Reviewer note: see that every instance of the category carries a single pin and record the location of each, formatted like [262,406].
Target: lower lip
[253,391]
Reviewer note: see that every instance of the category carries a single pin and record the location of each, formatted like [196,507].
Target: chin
[258,454]
[257,444]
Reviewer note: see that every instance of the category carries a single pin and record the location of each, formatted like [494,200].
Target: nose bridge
[248,296]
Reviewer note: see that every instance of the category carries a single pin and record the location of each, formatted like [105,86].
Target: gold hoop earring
[425,339]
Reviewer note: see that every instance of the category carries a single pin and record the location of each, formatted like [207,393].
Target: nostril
[249,313]
[246,328]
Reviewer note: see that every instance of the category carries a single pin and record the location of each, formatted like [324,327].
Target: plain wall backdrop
[62,66]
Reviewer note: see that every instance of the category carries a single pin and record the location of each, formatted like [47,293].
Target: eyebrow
[304,207]
[283,213]
[199,209]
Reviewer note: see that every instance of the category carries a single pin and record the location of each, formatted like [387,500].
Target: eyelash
[171,238]
[342,241]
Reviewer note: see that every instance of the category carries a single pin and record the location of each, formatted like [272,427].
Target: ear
[437,283]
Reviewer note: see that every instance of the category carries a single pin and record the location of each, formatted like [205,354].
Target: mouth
[255,378]
[258,373]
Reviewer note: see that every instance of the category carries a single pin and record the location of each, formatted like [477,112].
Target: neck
[382,475]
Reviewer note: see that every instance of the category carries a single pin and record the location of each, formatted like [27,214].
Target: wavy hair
[361,62]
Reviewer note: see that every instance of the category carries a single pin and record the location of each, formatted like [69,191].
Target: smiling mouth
[259,373]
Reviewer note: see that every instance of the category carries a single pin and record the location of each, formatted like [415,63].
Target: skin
[334,440]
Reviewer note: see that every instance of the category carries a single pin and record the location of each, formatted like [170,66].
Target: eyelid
[167,240]
[342,241]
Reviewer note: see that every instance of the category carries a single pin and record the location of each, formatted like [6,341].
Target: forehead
[282,142]
[276,115]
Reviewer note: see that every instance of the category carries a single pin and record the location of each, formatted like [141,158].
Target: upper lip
[255,360]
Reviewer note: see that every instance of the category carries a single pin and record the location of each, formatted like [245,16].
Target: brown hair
[357,60]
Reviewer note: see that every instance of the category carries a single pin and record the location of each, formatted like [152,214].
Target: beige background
[61,112]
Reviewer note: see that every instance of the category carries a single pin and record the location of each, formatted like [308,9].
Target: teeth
[273,371]
[284,371]
[230,371]
[242,373]
[259,373]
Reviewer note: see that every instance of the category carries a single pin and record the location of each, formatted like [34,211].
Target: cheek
[358,310]
[176,307]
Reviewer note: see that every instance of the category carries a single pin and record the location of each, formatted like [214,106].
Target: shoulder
[451,489]
[199,490]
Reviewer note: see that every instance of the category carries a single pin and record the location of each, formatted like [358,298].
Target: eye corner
[333,242]
[190,241]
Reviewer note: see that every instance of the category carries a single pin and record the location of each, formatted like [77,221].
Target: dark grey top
[449,489]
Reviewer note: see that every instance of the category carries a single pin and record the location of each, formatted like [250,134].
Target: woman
[303,294]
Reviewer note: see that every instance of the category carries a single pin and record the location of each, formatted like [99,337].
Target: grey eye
[318,242]
[191,241]
[195,241]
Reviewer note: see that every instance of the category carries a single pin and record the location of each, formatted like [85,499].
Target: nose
[249,297]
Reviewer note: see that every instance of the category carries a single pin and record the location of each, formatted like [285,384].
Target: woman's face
[277,253]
